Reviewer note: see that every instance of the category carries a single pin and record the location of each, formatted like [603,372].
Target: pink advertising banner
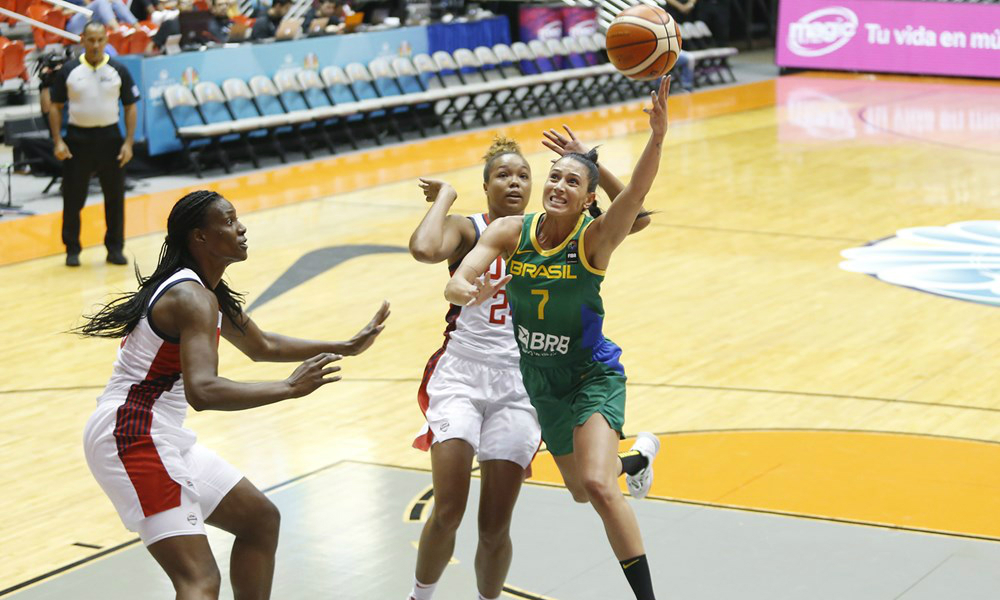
[932,38]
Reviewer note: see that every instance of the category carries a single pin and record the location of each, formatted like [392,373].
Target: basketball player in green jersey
[556,263]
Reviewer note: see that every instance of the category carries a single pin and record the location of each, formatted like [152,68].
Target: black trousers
[95,151]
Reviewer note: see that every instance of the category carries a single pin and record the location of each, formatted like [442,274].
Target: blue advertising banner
[155,74]
[468,34]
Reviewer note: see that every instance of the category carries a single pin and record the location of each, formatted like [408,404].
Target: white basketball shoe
[648,445]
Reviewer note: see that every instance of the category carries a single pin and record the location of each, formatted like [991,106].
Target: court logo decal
[316,263]
[960,261]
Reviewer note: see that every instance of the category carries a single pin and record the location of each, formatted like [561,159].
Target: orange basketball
[643,42]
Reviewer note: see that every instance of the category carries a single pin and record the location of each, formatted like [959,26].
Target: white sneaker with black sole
[648,445]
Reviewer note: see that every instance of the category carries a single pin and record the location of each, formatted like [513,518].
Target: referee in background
[92,85]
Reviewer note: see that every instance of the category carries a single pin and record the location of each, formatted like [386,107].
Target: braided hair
[119,317]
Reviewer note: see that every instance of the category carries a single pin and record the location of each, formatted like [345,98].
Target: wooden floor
[778,381]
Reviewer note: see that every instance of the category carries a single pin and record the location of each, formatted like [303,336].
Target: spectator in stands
[218,27]
[142,9]
[266,24]
[332,10]
[154,11]
[164,11]
[715,14]
[93,85]
[685,65]
[109,13]
[223,11]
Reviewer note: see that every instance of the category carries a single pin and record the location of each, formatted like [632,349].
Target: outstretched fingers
[498,285]
[381,315]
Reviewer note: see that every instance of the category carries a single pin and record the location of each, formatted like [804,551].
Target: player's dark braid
[589,160]
[119,317]
[501,145]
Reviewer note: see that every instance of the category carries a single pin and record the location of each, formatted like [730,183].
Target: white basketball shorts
[148,500]
[484,405]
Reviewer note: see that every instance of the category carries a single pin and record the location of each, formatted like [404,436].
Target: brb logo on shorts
[544,344]
[822,31]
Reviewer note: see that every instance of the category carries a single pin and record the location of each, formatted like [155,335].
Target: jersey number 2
[498,311]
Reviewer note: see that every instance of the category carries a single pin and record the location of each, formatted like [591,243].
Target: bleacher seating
[192,129]
[398,95]
[50,15]
[12,60]
[711,62]
[242,106]
[214,110]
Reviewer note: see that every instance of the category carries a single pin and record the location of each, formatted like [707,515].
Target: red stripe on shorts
[424,442]
[155,489]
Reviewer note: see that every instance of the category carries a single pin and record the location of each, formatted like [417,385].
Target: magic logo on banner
[932,38]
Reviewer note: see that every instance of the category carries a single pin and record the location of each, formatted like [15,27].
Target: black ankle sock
[637,572]
[633,461]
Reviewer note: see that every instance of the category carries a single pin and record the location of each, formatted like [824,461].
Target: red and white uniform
[136,443]
[472,389]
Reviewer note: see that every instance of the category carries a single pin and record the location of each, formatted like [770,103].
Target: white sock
[482,597]
[422,591]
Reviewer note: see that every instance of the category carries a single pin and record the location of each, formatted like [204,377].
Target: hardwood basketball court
[783,386]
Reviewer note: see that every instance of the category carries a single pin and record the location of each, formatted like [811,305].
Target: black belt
[99,128]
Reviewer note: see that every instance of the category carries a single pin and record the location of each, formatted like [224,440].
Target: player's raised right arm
[611,228]
[500,238]
[440,236]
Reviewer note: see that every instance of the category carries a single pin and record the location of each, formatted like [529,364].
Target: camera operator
[34,148]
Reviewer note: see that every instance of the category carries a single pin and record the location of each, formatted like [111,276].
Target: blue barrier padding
[154,74]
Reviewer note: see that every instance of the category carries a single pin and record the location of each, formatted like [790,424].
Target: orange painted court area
[909,481]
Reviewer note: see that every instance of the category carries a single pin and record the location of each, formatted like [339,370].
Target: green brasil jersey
[555,298]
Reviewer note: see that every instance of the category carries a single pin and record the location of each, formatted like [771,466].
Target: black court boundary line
[298,478]
[132,542]
[720,388]
[860,523]
[760,232]
[681,386]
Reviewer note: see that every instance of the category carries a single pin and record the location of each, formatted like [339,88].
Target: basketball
[643,42]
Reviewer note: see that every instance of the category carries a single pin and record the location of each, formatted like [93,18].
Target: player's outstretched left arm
[466,286]
[264,346]
[611,228]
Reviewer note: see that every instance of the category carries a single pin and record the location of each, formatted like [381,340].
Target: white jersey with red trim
[146,382]
[135,441]
[485,332]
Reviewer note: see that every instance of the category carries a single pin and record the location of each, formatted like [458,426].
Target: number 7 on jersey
[541,305]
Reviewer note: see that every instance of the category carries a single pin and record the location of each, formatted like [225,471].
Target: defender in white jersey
[471,394]
[164,484]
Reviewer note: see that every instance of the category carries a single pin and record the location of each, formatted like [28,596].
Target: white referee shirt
[92,92]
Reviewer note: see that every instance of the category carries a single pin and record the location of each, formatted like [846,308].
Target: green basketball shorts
[565,397]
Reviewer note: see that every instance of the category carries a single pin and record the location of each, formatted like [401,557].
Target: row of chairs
[18,6]
[711,61]
[50,15]
[12,65]
[388,96]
